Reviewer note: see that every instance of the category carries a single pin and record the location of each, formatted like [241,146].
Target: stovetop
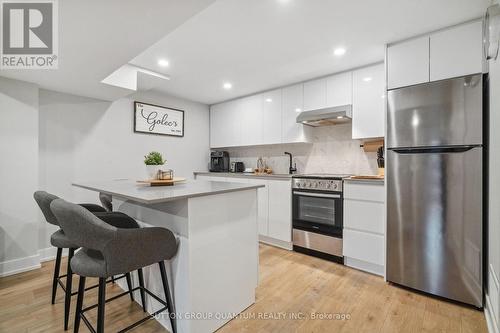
[322,176]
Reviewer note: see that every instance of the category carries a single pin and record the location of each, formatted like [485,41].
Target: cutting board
[367,177]
[161,182]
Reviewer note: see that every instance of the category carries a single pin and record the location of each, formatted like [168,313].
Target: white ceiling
[262,44]
[96,37]
[254,44]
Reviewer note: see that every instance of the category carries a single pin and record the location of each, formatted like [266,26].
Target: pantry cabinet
[368,102]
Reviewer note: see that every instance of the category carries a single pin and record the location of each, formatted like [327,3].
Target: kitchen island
[215,272]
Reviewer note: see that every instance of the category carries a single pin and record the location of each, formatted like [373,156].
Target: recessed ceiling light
[340,117]
[163,62]
[298,110]
[227,85]
[340,51]
[269,100]
[367,79]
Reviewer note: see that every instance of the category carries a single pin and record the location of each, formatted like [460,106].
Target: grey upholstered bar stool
[107,250]
[59,240]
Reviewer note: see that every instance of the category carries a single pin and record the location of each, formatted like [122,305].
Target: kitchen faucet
[291,169]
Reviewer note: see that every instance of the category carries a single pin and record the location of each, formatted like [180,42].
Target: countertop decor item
[381,161]
[154,164]
[162,182]
[155,119]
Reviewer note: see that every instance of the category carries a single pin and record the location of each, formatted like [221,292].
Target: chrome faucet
[291,169]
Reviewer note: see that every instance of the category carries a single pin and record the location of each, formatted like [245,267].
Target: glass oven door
[318,211]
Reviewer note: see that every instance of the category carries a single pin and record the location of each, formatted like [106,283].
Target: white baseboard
[490,318]
[15,266]
[275,242]
[49,253]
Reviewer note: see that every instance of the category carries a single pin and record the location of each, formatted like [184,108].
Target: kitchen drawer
[364,215]
[364,191]
[364,246]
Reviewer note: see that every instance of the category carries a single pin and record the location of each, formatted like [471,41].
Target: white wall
[493,269]
[18,175]
[86,139]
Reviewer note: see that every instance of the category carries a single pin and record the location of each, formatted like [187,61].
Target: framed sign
[155,119]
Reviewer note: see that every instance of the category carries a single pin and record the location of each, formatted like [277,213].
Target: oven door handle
[317,195]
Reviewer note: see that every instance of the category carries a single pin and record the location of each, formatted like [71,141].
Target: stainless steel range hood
[325,117]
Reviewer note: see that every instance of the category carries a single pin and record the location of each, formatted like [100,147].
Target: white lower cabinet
[274,207]
[364,226]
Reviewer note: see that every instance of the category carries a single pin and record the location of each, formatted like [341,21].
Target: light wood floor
[291,284]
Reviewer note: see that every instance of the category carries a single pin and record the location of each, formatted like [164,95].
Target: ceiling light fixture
[367,79]
[298,110]
[163,62]
[227,85]
[269,100]
[340,51]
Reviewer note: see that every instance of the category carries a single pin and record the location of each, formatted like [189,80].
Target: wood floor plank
[296,293]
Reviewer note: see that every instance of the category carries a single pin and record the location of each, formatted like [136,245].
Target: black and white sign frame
[151,124]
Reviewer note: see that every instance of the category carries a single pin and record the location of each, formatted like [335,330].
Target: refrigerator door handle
[435,150]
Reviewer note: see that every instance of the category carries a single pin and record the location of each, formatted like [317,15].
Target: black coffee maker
[219,161]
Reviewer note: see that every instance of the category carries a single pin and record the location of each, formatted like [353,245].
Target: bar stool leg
[79,304]
[141,284]
[168,296]
[69,282]
[101,304]
[57,268]
[129,285]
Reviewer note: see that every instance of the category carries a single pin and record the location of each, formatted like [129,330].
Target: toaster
[237,167]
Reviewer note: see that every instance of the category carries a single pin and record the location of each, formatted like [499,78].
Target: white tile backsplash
[332,151]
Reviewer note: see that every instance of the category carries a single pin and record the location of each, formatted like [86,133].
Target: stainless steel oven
[318,215]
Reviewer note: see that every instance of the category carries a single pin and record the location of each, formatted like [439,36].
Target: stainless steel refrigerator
[434,172]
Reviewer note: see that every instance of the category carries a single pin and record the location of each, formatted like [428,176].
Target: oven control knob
[335,186]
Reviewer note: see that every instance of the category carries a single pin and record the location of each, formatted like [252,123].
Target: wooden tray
[158,182]
[367,177]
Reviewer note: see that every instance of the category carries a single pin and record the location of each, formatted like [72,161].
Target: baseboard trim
[50,253]
[20,265]
[490,318]
[276,242]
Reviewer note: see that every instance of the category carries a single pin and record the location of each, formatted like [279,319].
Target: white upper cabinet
[271,116]
[292,105]
[457,51]
[315,94]
[225,125]
[251,120]
[368,102]
[339,89]
[408,63]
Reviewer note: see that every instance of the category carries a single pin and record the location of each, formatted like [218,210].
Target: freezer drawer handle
[426,150]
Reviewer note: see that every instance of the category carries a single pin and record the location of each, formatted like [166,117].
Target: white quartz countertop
[143,193]
[244,175]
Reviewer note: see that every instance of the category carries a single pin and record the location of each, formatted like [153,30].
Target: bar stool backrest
[44,199]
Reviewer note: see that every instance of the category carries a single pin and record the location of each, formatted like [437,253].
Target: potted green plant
[154,162]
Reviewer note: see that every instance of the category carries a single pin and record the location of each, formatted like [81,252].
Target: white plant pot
[152,171]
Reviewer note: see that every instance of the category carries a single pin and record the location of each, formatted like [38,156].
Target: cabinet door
[280,210]
[292,105]
[315,94]
[339,89]
[368,102]
[251,120]
[217,123]
[262,205]
[457,51]
[408,63]
[364,246]
[271,116]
